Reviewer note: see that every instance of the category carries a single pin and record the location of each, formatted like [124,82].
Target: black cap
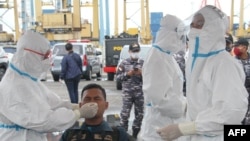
[241,41]
[134,47]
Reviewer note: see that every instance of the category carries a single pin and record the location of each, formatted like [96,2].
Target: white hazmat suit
[28,109]
[163,80]
[215,83]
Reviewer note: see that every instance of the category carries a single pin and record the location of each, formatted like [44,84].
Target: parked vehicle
[113,47]
[98,52]
[125,54]
[90,63]
[6,54]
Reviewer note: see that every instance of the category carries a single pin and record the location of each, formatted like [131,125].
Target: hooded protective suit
[28,109]
[163,80]
[215,80]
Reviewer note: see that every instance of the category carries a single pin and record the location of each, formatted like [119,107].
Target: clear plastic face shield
[197,20]
[182,32]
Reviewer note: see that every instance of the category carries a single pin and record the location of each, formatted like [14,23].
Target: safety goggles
[45,56]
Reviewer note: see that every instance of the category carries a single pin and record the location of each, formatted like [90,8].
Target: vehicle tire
[89,75]
[118,85]
[2,72]
[111,76]
[55,77]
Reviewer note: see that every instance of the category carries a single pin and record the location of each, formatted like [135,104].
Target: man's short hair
[241,41]
[94,85]
[68,46]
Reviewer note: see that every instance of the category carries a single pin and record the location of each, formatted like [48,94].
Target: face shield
[197,21]
[221,15]
[182,30]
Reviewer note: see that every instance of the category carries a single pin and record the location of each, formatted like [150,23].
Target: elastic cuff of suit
[75,106]
[77,113]
[187,128]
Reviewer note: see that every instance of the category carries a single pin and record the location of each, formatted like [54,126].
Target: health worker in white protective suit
[215,82]
[28,109]
[163,79]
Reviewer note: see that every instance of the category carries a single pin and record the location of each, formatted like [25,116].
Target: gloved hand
[174,131]
[170,132]
[87,110]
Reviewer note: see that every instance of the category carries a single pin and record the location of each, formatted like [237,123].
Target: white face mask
[194,32]
[44,68]
[46,65]
[134,55]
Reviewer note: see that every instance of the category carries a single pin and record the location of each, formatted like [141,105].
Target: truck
[6,37]
[112,49]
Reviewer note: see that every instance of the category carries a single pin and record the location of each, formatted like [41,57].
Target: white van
[125,54]
[90,61]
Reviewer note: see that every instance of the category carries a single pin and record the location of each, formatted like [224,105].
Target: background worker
[71,72]
[229,41]
[244,58]
[164,99]
[180,59]
[95,128]
[215,95]
[130,74]
[28,109]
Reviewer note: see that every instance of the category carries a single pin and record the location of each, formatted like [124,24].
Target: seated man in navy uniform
[95,129]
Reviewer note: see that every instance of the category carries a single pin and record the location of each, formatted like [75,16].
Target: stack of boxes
[155,19]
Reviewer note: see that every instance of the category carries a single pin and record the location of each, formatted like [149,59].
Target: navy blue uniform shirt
[71,66]
[99,129]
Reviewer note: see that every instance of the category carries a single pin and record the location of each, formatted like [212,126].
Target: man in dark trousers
[71,72]
[129,72]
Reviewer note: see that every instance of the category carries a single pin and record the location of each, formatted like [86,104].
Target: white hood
[171,34]
[27,61]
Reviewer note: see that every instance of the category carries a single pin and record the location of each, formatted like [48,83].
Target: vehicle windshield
[60,50]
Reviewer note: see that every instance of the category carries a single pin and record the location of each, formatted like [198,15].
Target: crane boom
[16,21]
[241,32]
